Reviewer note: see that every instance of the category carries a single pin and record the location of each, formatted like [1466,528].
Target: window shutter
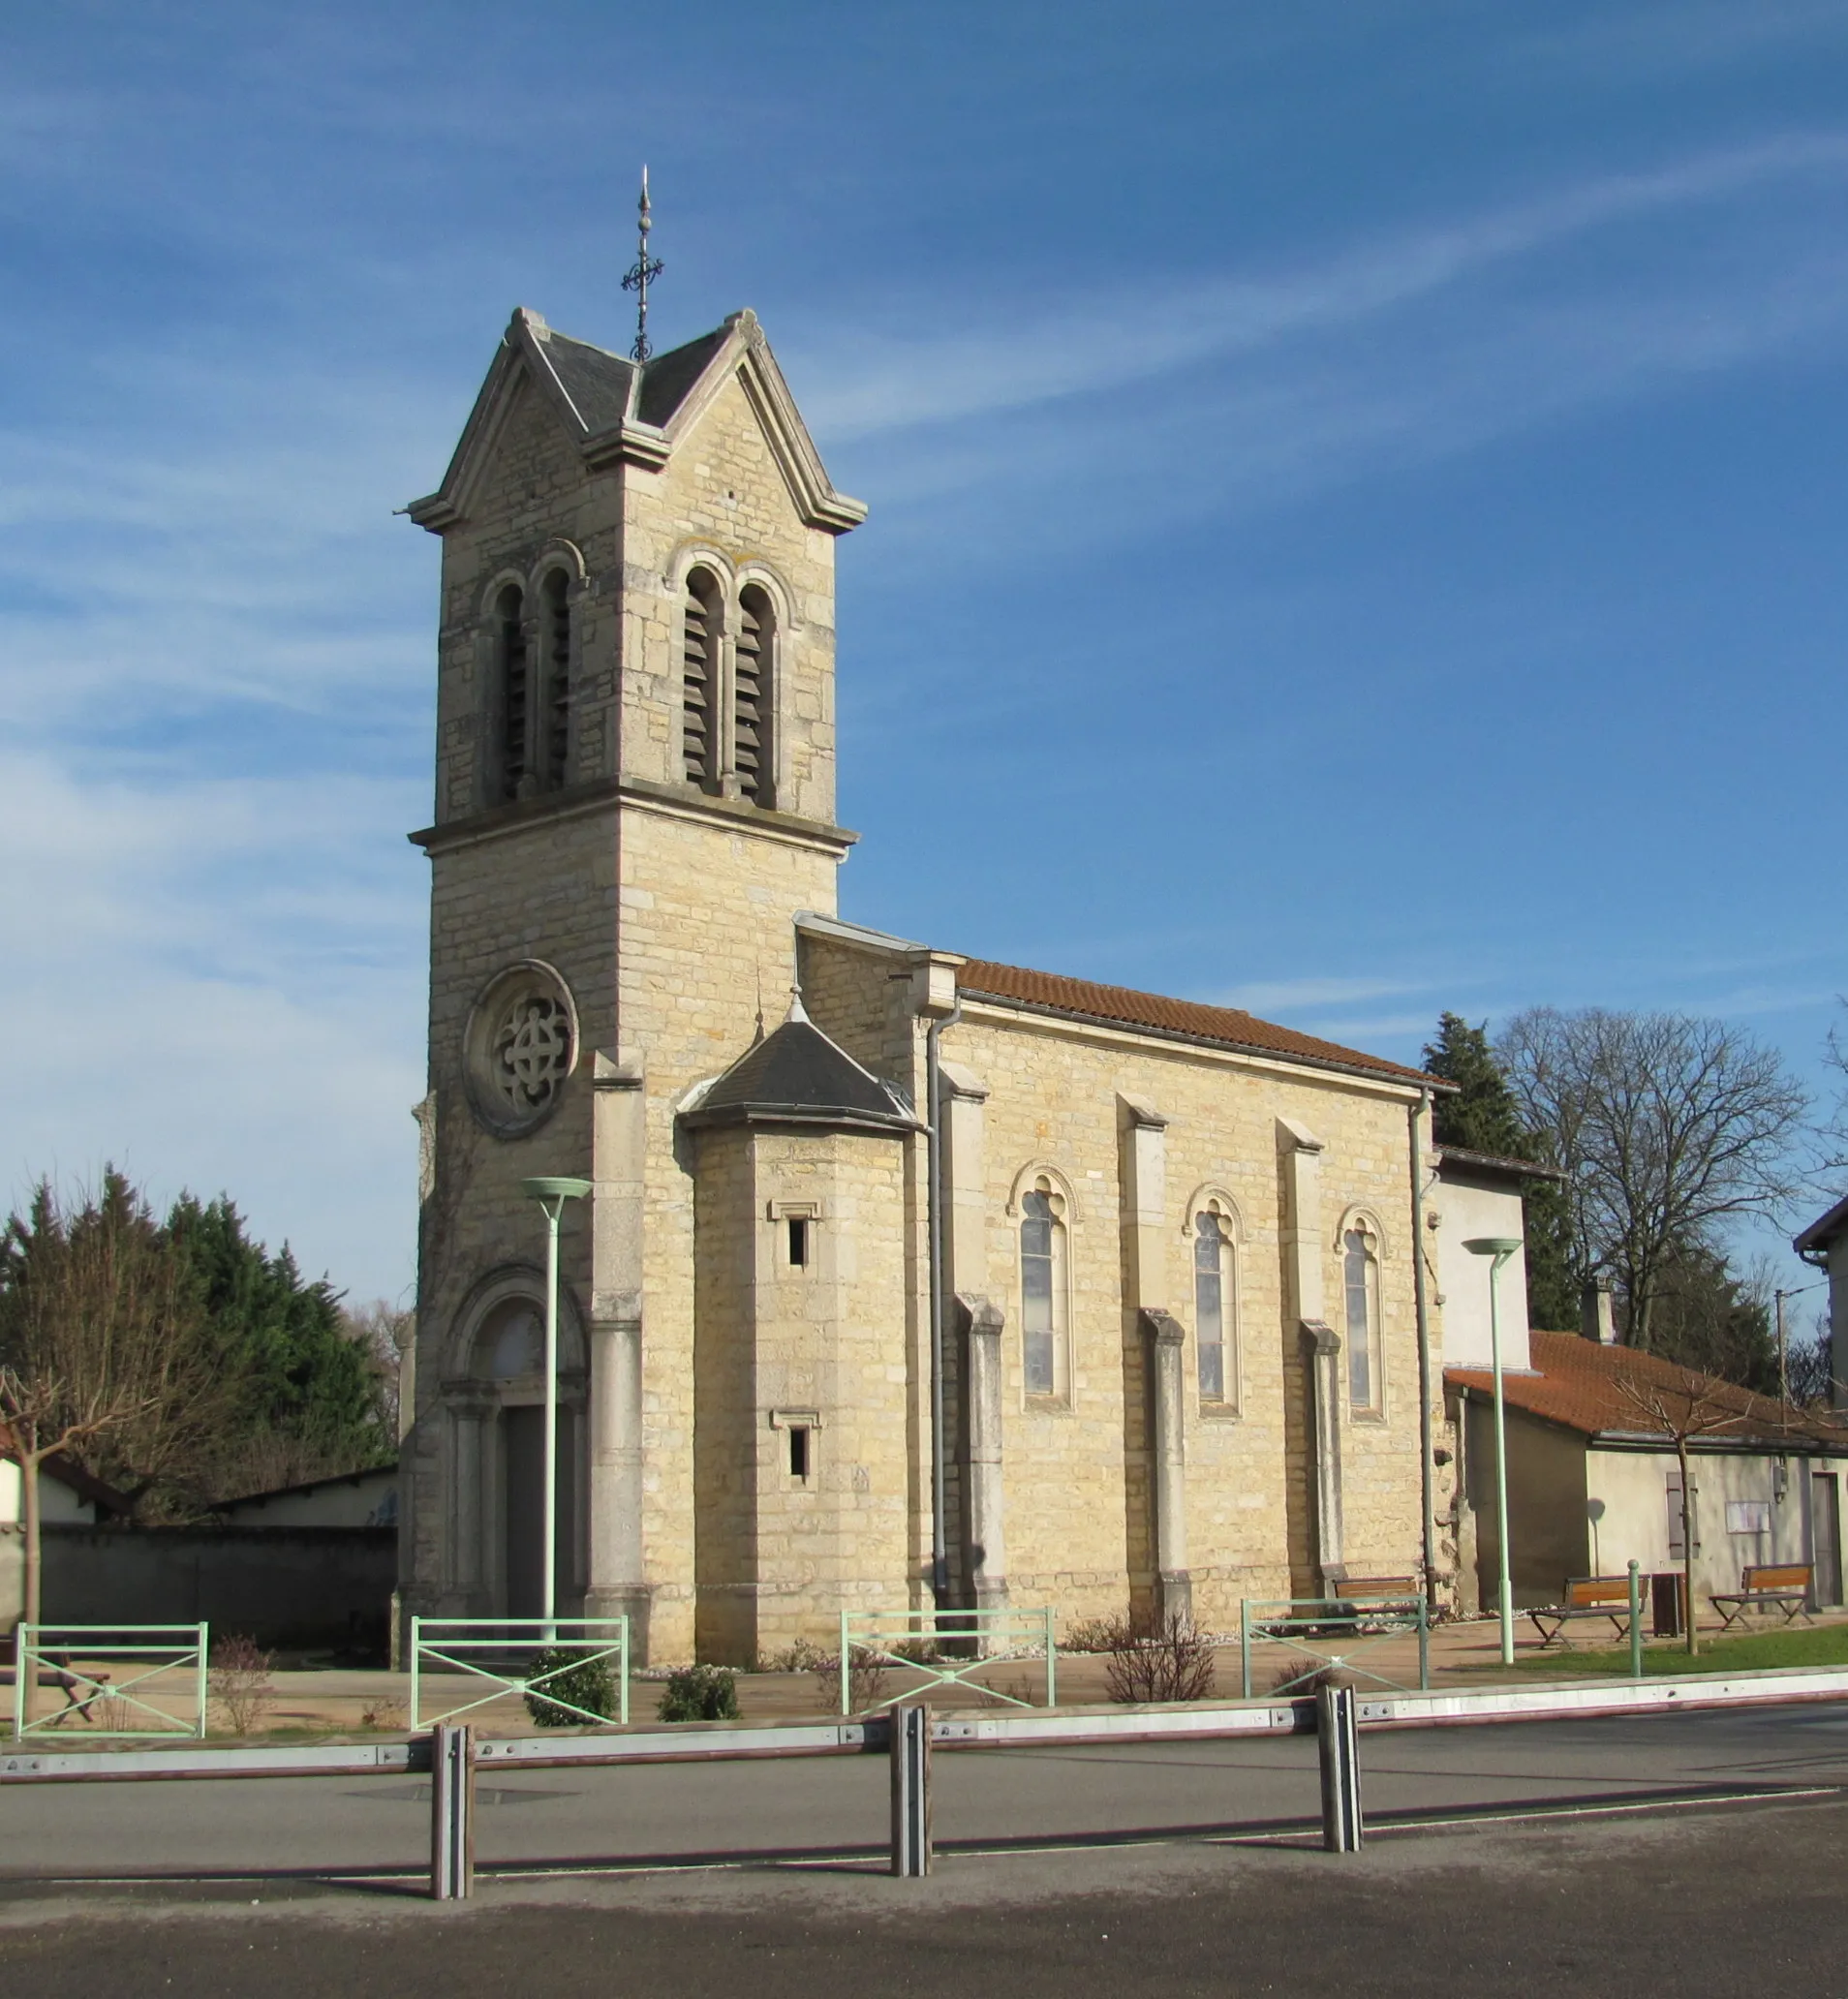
[697,684]
[749,733]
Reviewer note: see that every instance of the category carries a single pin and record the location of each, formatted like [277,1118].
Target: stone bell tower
[635,796]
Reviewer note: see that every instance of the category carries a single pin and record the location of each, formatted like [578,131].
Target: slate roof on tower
[798,1076]
[625,413]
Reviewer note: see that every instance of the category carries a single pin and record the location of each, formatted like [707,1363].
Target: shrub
[1157,1658]
[1093,1635]
[579,1676]
[1301,1677]
[866,1679]
[239,1680]
[700,1693]
[798,1657]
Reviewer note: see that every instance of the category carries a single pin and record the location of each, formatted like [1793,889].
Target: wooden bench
[1365,1596]
[1586,1596]
[1375,1592]
[1787,1584]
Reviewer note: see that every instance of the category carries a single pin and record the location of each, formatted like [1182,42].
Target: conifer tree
[1483,1117]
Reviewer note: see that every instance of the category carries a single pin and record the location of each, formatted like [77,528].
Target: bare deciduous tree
[386,1332]
[40,1419]
[1668,1127]
[1688,1406]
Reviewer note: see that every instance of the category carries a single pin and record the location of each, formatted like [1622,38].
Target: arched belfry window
[700,677]
[558,677]
[752,698]
[1044,1288]
[1359,1274]
[516,768]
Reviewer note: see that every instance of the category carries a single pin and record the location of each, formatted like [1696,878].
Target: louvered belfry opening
[750,696]
[511,612]
[558,678]
[699,659]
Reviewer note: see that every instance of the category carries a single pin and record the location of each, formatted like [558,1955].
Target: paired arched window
[699,676]
[510,614]
[1215,1307]
[728,698]
[1044,1292]
[533,688]
[750,695]
[1360,1277]
[558,677]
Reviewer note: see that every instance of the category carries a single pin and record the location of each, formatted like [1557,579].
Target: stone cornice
[675,801]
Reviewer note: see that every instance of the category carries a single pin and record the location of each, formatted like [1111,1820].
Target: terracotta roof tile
[1226,1027]
[1577,1383]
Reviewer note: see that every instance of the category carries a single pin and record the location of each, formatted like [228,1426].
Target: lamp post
[1499,1248]
[551,1193]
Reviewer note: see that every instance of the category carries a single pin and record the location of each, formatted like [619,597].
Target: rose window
[520,1048]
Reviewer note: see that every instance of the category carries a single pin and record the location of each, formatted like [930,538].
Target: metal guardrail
[451,1756]
[99,1668]
[916,1642]
[1311,1626]
[503,1651]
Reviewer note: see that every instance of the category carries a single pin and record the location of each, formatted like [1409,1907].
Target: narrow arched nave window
[1043,1293]
[1360,1271]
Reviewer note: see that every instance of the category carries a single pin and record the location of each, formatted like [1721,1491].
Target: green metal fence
[945,1648]
[1328,1632]
[502,1653]
[113,1679]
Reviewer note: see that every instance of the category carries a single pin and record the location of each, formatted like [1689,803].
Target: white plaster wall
[1462,1278]
[354,1502]
[1633,1486]
[9,1492]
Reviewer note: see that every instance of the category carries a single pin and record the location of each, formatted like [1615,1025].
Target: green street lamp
[551,1193]
[1500,1249]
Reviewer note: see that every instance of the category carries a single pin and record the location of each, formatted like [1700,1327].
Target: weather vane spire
[641,274]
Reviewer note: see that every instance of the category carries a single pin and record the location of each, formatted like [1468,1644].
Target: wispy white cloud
[1304,993]
[1045,354]
[1623,43]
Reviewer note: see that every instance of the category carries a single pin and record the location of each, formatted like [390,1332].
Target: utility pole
[1783,1362]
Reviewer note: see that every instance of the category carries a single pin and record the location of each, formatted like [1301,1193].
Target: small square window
[798,1449]
[798,1227]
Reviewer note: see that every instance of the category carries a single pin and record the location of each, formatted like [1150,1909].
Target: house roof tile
[1593,1389]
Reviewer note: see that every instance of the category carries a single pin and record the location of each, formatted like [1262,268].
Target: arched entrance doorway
[497,1424]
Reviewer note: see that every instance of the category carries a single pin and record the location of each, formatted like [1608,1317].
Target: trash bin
[1668,1601]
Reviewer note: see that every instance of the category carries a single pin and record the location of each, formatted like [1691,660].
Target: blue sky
[1356,502]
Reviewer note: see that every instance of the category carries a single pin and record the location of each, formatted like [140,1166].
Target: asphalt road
[1711,1900]
[558,1821]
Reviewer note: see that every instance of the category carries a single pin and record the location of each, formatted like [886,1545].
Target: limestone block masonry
[635,798]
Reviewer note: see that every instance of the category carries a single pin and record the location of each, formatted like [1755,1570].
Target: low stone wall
[310,1587]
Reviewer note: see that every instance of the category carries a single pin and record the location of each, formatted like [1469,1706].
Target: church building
[904,1277]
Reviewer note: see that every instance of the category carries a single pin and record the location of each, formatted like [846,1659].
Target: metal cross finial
[641,274]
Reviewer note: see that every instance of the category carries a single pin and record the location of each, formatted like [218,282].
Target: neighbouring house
[1593,1484]
[68,1497]
[351,1499]
[1473,1196]
[1824,1243]
[312,1566]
